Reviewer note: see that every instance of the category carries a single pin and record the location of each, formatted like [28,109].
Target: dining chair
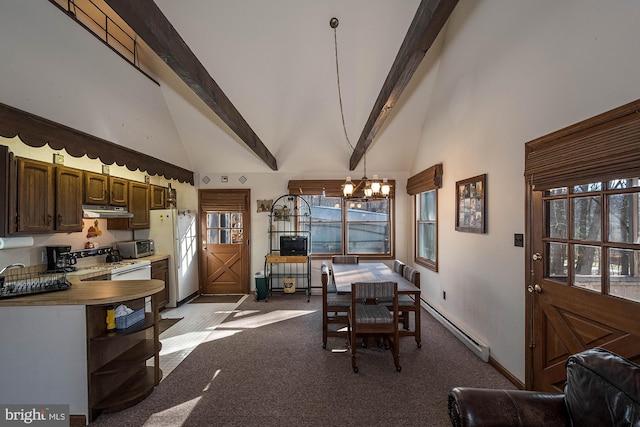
[406,303]
[345,259]
[366,316]
[334,308]
[398,266]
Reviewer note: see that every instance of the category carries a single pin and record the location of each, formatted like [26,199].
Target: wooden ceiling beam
[427,23]
[145,18]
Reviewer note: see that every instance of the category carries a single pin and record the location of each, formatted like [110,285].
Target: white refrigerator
[174,233]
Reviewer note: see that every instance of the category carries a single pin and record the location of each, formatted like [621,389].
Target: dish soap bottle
[111,319]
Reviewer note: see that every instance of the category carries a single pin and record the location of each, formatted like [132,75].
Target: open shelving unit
[117,362]
[290,215]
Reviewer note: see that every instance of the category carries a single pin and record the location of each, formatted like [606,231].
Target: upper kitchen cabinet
[139,204]
[96,190]
[158,197]
[35,197]
[68,199]
[118,191]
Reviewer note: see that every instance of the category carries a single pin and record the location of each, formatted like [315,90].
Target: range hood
[90,211]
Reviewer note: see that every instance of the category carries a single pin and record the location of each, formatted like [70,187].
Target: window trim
[425,262]
[426,180]
[333,188]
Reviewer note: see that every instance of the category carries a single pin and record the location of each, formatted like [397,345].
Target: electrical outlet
[518,240]
[444,294]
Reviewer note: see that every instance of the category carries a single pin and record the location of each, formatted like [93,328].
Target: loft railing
[117,35]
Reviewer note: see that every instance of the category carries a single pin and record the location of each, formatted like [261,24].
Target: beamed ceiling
[262,75]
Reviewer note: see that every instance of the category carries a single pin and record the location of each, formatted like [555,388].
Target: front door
[584,283]
[225,245]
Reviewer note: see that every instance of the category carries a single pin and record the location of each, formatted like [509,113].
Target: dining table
[346,274]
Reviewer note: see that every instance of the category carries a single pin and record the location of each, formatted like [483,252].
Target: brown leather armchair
[602,389]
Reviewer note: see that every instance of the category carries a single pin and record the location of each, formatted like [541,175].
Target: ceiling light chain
[374,188]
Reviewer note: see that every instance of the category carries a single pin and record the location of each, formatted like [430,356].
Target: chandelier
[374,188]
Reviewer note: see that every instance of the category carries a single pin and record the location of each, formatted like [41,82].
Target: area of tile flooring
[198,325]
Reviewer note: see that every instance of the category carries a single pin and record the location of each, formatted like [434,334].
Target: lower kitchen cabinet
[118,374]
[160,271]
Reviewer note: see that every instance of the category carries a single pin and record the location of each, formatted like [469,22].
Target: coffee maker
[59,258]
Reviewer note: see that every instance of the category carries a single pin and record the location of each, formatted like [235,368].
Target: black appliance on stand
[59,259]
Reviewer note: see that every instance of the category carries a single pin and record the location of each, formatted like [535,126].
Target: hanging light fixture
[372,189]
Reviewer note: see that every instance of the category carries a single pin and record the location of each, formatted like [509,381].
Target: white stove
[130,270]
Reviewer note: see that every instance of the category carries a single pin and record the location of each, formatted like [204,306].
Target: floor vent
[481,350]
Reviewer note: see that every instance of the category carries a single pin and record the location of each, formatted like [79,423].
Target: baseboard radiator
[480,349]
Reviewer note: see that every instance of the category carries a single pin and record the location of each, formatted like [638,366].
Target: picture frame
[471,204]
[264,205]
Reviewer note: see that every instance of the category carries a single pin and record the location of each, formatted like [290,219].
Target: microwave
[135,248]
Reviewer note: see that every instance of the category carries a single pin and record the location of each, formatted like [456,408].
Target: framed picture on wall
[471,204]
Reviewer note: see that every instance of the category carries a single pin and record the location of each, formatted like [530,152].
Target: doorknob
[534,288]
[537,256]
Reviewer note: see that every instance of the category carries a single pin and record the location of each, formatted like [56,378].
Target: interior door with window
[584,288]
[225,242]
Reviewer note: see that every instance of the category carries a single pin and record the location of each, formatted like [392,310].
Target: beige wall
[511,71]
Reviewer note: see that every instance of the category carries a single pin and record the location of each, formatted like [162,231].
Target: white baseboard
[480,349]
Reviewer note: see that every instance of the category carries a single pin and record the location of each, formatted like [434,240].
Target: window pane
[377,210]
[427,240]
[623,218]
[212,237]
[586,218]
[557,264]
[368,227]
[212,220]
[326,224]
[236,220]
[556,211]
[368,238]
[225,236]
[586,188]
[586,271]
[428,206]
[556,191]
[619,184]
[624,281]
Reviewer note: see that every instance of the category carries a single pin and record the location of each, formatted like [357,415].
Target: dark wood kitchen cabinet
[68,199]
[139,205]
[118,191]
[96,190]
[35,197]
[47,198]
[158,197]
[160,271]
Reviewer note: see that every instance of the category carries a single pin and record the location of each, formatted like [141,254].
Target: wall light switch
[105,169]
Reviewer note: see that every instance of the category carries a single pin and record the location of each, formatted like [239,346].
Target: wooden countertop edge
[90,293]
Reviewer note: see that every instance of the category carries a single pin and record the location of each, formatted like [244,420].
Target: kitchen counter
[67,330]
[89,293]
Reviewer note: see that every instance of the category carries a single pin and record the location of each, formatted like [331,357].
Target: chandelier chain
[344,126]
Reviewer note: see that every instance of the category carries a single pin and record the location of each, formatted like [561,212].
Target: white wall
[511,71]
[54,68]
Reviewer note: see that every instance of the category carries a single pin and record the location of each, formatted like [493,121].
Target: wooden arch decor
[37,132]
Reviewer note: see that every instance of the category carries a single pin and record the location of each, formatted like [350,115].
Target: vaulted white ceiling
[275,62]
